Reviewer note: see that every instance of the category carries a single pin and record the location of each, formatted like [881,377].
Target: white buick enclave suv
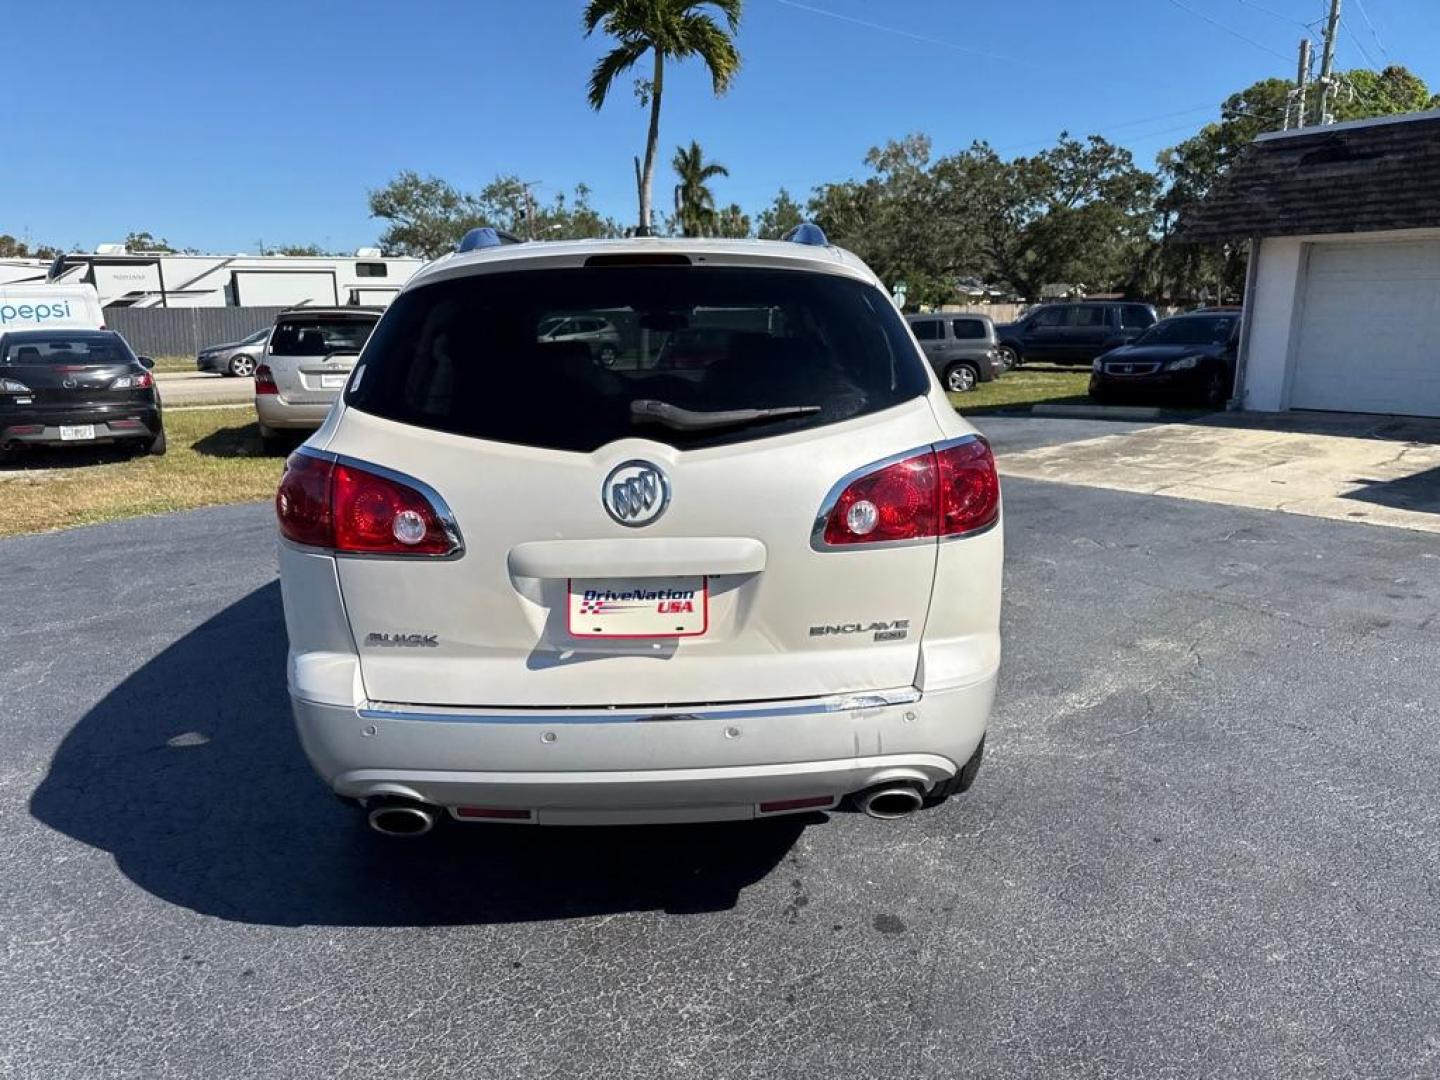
[749,567]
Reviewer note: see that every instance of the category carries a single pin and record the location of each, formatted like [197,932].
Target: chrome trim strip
[433,497]
[817,531]
[879,699]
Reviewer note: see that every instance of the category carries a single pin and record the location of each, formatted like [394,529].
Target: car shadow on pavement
[190,774]
[1419,492]
[242,440]
[37,458]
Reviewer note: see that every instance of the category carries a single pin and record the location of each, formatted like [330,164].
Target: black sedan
[1188,358]
[76,387]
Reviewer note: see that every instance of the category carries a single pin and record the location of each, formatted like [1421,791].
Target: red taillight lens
[302,505]
[943,492]
[376,514]
[346,508]
[969,487]
[265,380]
[895,502]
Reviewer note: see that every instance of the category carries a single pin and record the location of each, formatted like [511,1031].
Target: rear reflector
[949,491]
[492,812]
[346,508]
[126,424]
[26,429]
[809,803]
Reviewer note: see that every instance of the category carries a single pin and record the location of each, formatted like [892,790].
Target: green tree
[694,201]
[143,241]
[731,221]
[782,215]
[296,249]
[427,215]
[1383,93]
[11,248]
[676,29]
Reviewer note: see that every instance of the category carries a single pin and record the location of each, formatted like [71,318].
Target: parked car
[1074,332]
[523,587]
[961,348]
[1188,357]
[237,358]
[76,387]
[598,333]
[307,360]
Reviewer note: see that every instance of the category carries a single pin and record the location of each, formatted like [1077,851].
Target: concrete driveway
[1380,470]
[1205,842]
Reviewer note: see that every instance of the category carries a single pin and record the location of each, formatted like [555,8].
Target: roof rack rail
[807,232]
[485,237]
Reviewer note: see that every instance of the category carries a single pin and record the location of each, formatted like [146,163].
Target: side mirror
[146,362]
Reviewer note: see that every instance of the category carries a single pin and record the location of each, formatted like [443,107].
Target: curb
[1100,412]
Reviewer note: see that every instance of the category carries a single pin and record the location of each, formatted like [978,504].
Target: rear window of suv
[693,356]
[320,335]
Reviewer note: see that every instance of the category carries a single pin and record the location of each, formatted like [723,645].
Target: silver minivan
[960,347]
[306,364]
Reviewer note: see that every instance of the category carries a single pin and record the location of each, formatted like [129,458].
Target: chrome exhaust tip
[887,802]
[402,819]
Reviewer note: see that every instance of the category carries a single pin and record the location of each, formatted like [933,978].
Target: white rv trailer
[160,279]
[23,271]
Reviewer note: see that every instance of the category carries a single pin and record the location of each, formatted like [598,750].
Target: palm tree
[694,201]
[673,28]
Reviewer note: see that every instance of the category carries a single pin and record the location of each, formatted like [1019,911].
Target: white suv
[523,586]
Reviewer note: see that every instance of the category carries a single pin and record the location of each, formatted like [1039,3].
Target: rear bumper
[112,423]
[1160,384]
[630,766]
[275,412]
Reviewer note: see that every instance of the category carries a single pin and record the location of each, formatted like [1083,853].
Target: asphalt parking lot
[1205,842]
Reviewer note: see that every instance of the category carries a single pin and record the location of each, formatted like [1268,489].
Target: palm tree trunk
[652,144]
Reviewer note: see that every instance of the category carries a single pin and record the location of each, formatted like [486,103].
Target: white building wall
[1274,311]
[1272,315]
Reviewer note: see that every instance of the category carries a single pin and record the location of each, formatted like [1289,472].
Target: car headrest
[311,342]
[27,353]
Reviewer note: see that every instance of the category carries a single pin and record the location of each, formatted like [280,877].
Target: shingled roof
[1363,176]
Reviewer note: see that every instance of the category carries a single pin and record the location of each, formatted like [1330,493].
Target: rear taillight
[349,509]
[265,380]
[945,491]
[141,381]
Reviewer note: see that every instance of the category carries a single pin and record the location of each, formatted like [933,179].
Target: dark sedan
[1188,358]
[76,387]
[239,358]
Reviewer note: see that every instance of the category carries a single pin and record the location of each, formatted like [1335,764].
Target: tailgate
[494,626]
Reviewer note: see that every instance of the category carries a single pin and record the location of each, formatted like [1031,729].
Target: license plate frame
[77,432]
[637,612]
[332,380]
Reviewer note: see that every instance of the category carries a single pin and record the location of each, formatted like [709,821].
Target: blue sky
[219,125]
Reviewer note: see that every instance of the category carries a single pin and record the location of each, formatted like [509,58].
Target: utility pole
[1327,64]
[529,209]
[1302,78]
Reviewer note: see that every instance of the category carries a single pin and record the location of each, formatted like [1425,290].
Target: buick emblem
[635,493]
[69,383]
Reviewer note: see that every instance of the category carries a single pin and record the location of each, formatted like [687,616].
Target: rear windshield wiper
[673,416]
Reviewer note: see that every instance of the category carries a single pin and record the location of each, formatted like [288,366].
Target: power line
[898,32]
[1275,14]
[1373,32]
[1222,26]
[1115,127]
[1361,46]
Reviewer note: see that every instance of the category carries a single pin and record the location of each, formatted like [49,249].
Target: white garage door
[1369,337]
